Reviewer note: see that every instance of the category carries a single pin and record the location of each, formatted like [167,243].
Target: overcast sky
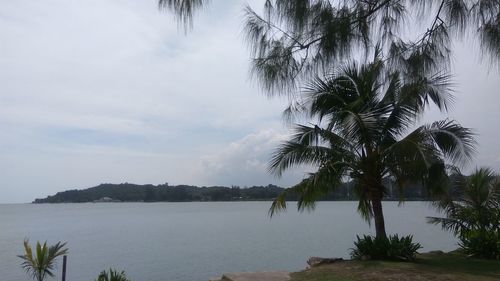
[113,91]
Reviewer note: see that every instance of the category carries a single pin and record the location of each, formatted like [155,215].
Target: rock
[316,261]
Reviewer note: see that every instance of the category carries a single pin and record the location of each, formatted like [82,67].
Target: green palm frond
[412,155]
[309,146]
[475,206]
[112,275]
[364,205]
[325,96]
[41,263]
[419,92]
[291,154]
[279,203]
[453,225]
[419,156]
[455,142]
[316,185]
[408,100]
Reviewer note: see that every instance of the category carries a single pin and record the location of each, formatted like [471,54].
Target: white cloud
[245,162]
[248,153]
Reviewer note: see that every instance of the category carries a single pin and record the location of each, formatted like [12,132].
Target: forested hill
[127,192]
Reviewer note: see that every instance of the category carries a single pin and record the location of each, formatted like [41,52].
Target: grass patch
[436,267]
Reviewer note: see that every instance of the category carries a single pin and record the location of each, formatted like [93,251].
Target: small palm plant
[472,209]
[40,263]
[112,275]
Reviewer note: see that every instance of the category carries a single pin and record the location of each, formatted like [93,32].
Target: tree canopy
[293,40]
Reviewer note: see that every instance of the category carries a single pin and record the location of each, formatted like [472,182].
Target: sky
[112,91]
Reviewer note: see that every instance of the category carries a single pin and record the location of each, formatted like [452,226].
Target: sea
[195,241]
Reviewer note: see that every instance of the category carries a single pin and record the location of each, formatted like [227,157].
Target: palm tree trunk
[378,216]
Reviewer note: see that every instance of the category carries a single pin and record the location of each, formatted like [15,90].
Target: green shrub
[391,248]
[112,275]
[481,244]
[472,209]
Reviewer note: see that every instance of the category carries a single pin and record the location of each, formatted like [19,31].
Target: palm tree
[363,114]
[472,209]
[41,263]
[112,275]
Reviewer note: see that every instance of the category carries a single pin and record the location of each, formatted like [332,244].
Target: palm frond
[112,275]
[309,146]
[415,158]
[455,142]
[309,190]
[364,205]
[291,154]
[279,203]
[450,224]
[475,207]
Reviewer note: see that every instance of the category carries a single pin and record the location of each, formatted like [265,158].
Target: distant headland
[128,192]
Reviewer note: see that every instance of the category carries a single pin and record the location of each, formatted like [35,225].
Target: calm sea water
[196,241]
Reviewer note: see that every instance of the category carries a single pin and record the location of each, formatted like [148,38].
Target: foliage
[183,9]
[294,40]
[41,263]
[112,275]
[382,248]
[472,209]
[482,244]
[363,113]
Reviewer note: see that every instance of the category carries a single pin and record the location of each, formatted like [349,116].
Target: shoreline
[433,265]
